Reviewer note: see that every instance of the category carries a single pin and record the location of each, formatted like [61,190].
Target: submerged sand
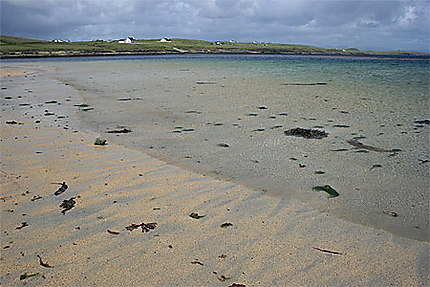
[273,241]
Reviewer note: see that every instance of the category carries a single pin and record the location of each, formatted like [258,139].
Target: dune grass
[11,46]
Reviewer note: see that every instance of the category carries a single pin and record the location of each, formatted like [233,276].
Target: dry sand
[272,241]
[8,72]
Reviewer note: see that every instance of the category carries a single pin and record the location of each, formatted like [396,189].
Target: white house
[128,40]
[164,40]
[60,41]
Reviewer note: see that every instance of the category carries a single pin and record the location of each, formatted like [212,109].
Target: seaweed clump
[306,133]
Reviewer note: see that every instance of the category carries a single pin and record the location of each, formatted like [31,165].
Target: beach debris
[113,232]
[262,107]
[327,188]
[123,99]
[223,278]
[67,205]
[422,161]
[237,285]
[205,83]
[61,189]
[36,197]
[283,114]
[23,224]
[340,149]
[24,104]
[327,251]
[82,105]
[319,172]
[196,262]
[188,130]
[341,126]
[146,227]
[252,114]
[422,122]
[132,226]
[44,264]
[354,142]
[120,131]
[375,166]
[226,225]
[362,151]
[100,141]
[87,109]
[306,133]
[193,112]
[391,213]
[11,122]
[51,102]
[195,215]
[47,113]
[301,165]
[259,129]
[223,145]
[305,84]
[25,276]
[276,127]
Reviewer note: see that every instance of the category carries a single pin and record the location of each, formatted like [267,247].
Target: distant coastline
[16,48]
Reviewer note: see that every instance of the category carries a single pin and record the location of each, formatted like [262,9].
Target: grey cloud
[331,23]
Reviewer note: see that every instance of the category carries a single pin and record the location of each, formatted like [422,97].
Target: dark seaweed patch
[306,133]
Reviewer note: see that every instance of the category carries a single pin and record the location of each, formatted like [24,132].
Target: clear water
[377,99]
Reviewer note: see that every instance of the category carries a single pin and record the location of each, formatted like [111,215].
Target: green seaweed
[327,188]
[83,105]
[25,276]
[195,215]
[51,102]
[319,172]
[226,225]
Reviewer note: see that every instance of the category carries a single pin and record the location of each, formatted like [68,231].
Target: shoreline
[408,56]
[272,241]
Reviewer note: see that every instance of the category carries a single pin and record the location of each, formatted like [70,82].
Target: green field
[16,47]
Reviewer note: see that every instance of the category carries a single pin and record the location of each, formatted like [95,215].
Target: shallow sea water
[180,108]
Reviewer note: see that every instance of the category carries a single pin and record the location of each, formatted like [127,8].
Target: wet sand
[273,240]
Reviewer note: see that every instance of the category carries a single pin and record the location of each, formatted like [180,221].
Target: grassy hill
[16,47]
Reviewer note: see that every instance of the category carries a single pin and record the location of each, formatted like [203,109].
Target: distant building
[165,40]
[60,41]
[128,40]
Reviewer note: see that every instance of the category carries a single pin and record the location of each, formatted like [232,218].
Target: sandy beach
[238,234]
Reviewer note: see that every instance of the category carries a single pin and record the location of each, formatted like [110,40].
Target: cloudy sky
[363,24]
